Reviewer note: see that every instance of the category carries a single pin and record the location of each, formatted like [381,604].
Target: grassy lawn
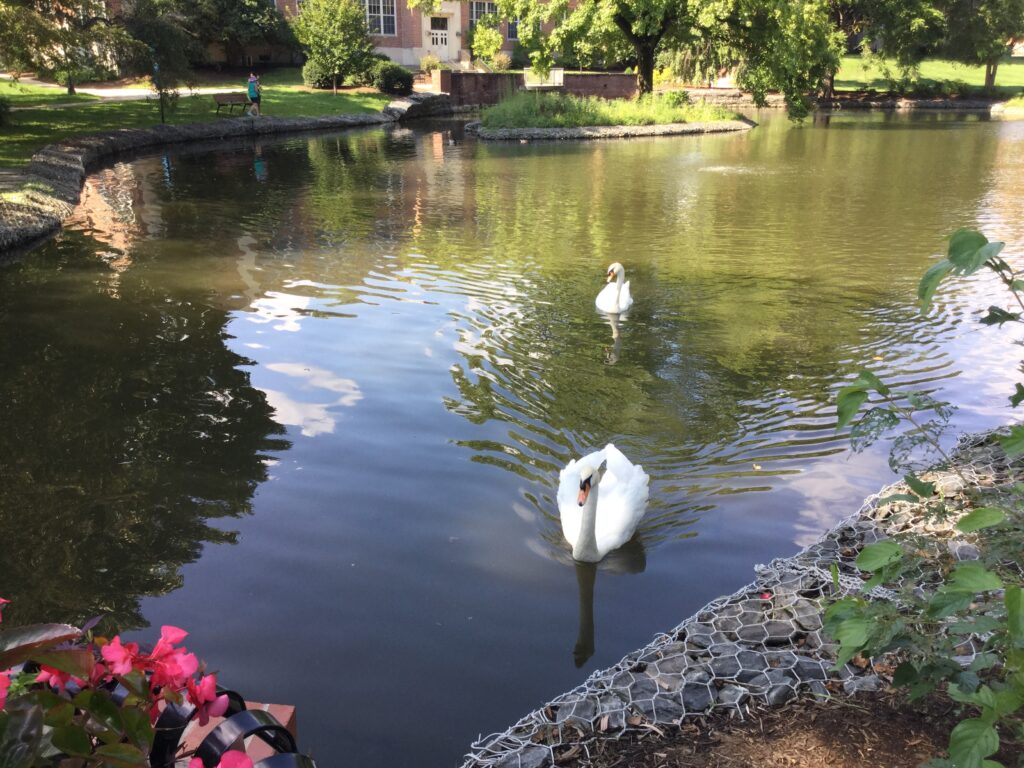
[277,78]
[22,94]
[933,74]
[555,110]
[31,129]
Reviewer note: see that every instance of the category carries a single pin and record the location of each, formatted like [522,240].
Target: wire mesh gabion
[762,643]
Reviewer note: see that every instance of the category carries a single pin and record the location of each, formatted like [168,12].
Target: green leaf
[930,282]
[976,626]
[896,497]
[991,764]
[944,604]
[983,517]
[972,578]
[971,742]
[852,635]
[848,402]
[122,756]
[965,242]
[137,727]
[76,661]
[60,714]
[997,316]
[72,740]
[878,555]
[970,262]
[834,570]
[906,673]
[21,731]
[920,487]
[1013,443]
[1014,599]
[19,644]
[105,711]
[1017,397]
[872,382]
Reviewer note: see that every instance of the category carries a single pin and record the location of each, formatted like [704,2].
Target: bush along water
[955,613]
[74,699]
[392,78]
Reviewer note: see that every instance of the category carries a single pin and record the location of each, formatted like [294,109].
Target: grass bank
[23,94]
[934,77]
[555,110]
[31,129]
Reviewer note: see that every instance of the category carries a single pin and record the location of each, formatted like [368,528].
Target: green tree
[980,32]
[486,38]
[237,24]
[335,37]
[24,33]
[161,47]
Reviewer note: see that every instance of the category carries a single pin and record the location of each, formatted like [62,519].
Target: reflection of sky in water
[420,317]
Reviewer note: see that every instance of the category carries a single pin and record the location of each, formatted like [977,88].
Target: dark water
[309,398]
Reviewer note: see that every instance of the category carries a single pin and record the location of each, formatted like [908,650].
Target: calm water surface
[309,398]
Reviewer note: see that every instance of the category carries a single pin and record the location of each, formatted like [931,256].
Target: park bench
[230,99]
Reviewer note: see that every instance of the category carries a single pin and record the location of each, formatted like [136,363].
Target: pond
[308,398]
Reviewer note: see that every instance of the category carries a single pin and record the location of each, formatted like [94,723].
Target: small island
[547,115]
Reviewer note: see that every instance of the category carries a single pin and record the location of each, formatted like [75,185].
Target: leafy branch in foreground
[956,617]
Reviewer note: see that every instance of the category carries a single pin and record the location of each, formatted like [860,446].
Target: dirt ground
[876,730]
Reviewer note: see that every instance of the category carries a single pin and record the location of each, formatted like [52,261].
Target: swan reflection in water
[631,557]
[611,354]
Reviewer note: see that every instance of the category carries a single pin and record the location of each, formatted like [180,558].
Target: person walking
[255,89]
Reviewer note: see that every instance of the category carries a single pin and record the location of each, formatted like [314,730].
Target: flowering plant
[73,699]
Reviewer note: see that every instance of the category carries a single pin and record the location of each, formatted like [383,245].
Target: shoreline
[607,131]
[761,645]
[36,200]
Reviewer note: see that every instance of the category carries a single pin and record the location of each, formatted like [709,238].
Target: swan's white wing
[625,298]
[622,501]
[606,299]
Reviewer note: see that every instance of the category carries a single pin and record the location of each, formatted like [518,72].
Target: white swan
[615,299]
[601,499]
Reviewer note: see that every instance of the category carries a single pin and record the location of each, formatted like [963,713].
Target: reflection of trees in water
[128,427]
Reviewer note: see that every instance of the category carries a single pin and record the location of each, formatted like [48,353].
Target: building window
[380,17]
[477,10]
[513,29]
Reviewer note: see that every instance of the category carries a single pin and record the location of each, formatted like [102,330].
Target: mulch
[869,730]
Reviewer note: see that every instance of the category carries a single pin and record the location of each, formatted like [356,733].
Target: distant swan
[601,499]
[615,299]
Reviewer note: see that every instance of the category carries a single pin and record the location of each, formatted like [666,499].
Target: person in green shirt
[255,89]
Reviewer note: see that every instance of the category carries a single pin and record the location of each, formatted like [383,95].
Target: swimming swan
[601,499]
[615,299]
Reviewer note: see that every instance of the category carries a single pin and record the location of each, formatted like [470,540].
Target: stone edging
[606,131]
[46,192]
[762,643]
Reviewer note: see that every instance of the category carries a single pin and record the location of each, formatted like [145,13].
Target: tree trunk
[645,65]
[828,86]
[71,84]
[334,81]
[990,75]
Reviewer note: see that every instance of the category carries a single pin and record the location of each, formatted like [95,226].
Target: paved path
[107,93]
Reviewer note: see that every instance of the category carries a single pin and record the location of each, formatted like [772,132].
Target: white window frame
[512,29]
[480,8]
[384,10]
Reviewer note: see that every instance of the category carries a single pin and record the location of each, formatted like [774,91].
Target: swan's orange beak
[611,276]
[584,492]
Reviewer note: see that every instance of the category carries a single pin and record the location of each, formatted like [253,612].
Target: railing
[554,79]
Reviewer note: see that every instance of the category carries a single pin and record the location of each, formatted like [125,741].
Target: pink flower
[230,759]
[56,678]
[2,604]
[205,699]
[5,683]
[120,657]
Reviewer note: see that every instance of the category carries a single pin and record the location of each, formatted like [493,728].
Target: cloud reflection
[314,418]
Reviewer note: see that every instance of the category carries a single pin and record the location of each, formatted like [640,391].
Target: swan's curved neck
[620,278]
[586,543]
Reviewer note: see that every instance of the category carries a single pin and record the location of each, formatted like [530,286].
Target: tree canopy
[336,38]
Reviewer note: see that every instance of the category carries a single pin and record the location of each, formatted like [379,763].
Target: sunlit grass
[556,110]
[937,75]
[31,129]
[23,94]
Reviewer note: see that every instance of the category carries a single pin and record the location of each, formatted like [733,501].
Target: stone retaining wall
[763,643]
[606,131]
[42,196]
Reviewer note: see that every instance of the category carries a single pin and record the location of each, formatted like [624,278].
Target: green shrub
[502,61]
[5,110]
[520,57]
[86,74]
[557,110]
[392,78]
[487,39]
[315,75]
[429,63]
[676,98]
